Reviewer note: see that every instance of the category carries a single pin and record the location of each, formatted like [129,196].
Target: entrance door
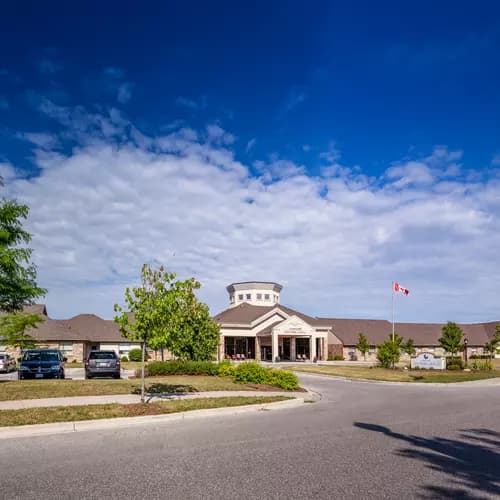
[286,349]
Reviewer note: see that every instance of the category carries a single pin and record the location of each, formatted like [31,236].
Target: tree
[494,343]
[408,347]
[18,285]
[451,338]
[389,352]
[165,313]
[363,346]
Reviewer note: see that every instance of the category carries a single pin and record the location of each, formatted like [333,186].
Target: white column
[312,349]
[274,337]
[293,350]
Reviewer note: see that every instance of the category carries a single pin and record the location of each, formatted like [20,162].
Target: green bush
[226,369]
[178,367]
[479,356]
[338,357]
[124,359]
[453,366]
[455,360]
[253,373]
[481,365]
[283,379]
[136,354]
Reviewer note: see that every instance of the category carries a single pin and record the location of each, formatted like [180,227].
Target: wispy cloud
[192,104]
[296,96]
[496,159]
[250,144]
[124,92]
[48,66]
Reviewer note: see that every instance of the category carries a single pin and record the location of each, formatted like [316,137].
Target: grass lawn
[398,375]
[35,389]
[29,416]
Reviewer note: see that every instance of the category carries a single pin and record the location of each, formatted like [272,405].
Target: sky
[332,148]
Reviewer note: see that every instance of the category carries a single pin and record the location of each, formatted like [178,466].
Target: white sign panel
[428,361]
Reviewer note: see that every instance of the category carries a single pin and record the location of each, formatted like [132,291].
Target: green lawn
[35,389]
[29,416]
[397,375]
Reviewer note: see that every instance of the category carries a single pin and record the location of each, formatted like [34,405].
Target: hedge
[244,373]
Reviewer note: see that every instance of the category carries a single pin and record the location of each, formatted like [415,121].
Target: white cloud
[496,159]
[335,242]
[218,135]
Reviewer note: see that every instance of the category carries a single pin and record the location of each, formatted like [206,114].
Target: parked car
[7,362]
[102,364]
[41,363]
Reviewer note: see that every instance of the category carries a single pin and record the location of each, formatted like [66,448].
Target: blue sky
[362,104]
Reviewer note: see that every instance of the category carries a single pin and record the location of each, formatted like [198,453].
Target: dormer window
[259,296]
[231,298]
[249,296]
[266,296]
[240,297]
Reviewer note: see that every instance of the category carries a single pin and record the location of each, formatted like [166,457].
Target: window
[124,349]
[266,296]
[249,296]
[66,347]
[240,297]
[275,298]
[231,298]
[259,296]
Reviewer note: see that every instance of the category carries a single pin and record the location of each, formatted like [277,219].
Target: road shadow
[471,463]
[165,391]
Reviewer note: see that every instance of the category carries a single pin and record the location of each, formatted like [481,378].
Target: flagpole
[393,311]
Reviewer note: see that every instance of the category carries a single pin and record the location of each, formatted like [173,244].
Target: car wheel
[116,375]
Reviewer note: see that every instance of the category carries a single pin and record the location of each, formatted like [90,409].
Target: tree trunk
[142,373]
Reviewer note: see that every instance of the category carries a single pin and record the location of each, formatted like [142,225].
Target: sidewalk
[132,398]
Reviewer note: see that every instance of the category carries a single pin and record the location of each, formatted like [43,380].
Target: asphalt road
[362,440]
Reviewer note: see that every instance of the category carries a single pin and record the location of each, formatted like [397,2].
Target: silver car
[7,362]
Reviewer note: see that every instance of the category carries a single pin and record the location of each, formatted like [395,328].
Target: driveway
[362,440]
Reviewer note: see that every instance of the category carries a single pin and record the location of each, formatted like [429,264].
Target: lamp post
[465,349]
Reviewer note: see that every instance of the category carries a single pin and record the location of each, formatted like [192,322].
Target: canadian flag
[398,288]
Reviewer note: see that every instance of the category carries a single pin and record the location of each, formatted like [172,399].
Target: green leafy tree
[408,347]
[18,285]
[494,343]
[451,338]
[164,313]
[363,346]
[389,352]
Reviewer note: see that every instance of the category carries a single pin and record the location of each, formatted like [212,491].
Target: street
[362,440]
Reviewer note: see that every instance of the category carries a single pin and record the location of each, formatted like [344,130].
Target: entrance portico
[294,339]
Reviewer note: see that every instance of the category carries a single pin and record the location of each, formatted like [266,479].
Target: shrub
[481,365]
[338,357]
[74,361]
[253,373]
[455,360]
[479,356]
[136,354]
[124,359]
[178,367]
[283,379]
[226,369]
[453,366]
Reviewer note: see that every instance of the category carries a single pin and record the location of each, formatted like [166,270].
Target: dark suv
[41,363]
[102,364]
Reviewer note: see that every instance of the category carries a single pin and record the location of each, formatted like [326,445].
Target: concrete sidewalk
[132,398]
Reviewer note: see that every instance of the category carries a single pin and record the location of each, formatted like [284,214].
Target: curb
[121,422]
[494,381]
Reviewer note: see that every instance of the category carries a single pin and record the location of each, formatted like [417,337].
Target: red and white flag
[398,288]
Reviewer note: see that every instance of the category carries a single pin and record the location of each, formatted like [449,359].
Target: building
[77,336]
[257,326]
